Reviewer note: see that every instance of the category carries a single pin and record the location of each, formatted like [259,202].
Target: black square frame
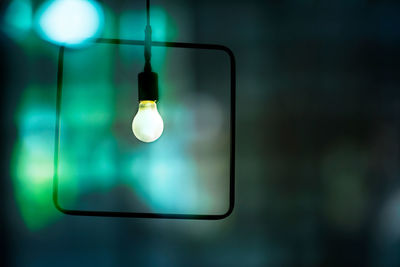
[149,214]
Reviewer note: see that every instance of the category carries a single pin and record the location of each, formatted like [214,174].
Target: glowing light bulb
[147,125]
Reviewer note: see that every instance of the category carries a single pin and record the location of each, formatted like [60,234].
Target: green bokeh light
[32,162]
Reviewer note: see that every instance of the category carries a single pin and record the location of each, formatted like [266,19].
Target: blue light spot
[69,22]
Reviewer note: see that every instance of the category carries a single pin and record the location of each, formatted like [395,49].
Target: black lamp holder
[148,80]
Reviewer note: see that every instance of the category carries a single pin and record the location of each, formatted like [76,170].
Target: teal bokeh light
[18,19]
[69,22]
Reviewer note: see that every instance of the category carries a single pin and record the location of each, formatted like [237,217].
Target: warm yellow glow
[147,125]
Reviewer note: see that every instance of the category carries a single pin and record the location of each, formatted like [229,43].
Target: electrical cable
[147,42]
[148,11]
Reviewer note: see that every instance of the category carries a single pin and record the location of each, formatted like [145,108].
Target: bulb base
[148,86]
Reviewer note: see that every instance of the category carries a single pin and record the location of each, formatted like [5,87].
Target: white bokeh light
[69,22]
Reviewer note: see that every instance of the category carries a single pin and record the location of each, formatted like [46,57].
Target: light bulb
[147,125]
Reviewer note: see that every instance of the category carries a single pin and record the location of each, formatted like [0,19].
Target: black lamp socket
[148,86]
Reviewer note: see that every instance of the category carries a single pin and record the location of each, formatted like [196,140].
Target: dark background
[317,168]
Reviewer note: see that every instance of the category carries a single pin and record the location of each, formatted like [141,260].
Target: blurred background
[317,166]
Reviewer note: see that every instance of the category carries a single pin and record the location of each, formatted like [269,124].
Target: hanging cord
[147,80]
[147,39]
[148,12]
